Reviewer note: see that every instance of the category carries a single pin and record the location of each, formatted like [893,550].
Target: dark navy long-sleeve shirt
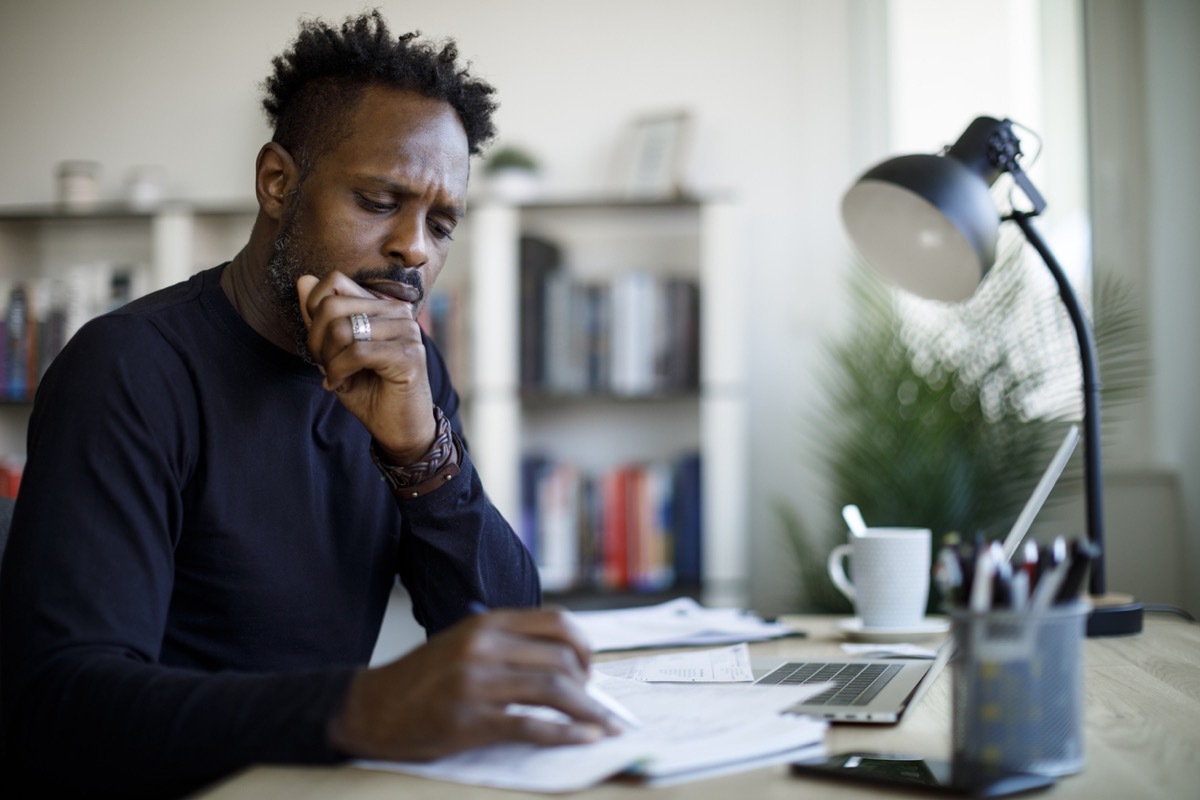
[202,552]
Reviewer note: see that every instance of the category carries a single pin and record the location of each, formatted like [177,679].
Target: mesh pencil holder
[1018,689]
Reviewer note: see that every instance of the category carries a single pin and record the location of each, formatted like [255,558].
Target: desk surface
[1142,735]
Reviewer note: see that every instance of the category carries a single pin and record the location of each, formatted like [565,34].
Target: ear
[276,175]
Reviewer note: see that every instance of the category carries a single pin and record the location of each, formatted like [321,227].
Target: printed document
[688,731]
[713,665]
[677,622]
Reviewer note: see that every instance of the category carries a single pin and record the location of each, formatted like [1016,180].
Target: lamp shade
[926,222]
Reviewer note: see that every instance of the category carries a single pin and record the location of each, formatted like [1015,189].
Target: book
[632,334]
[539,258]
[651,568]
[11,468]
[598,308]
[615,539]
[620,528]
[562,363]
[689,568]
[531,469]
[636,335]
[19,333]
[557,527]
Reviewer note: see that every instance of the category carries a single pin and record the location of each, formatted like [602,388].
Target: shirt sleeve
[456,547]
[86,587]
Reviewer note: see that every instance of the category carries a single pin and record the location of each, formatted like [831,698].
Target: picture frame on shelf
[654,164]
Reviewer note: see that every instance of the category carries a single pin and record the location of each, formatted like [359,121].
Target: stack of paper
[677,622]
[688,731]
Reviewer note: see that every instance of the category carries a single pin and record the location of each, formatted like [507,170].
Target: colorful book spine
[633,527]
[16,378]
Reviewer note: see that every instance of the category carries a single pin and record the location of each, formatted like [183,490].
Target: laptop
[881,690]
[863,689]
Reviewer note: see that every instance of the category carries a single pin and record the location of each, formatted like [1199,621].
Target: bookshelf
[693,239]
[594,430]
[74,265]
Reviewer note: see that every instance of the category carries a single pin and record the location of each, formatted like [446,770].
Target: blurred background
[788,101]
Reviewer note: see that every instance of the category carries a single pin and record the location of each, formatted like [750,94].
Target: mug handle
[837,571]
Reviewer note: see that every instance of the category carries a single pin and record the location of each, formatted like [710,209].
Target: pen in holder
[1018,687]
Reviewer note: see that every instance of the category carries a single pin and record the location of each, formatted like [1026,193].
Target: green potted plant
[944,416]
[511,173]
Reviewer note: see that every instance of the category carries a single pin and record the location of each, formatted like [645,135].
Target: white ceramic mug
[889,575]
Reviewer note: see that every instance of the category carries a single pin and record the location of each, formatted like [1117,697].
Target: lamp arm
[1091,398]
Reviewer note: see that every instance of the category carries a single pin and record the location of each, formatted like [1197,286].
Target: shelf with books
[632,527]
[58,269]
[605,350]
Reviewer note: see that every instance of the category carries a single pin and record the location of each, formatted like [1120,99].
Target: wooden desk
[1142,736]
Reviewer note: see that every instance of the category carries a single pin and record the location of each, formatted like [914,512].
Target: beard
[287,264]
[283,270]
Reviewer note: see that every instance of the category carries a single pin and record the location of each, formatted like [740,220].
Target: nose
[407,241]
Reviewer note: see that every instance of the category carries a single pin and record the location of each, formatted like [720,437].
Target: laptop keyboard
[854,684]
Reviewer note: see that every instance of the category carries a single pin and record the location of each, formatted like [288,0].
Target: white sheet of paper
[687,729]
[894,650]
[682,621]
[715,665]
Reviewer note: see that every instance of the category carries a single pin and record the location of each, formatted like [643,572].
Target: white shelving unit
[600,239]
[693,238]
[158,248]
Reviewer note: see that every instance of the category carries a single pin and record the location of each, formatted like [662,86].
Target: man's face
[380,206]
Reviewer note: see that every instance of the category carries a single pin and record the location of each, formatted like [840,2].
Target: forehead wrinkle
[408,145]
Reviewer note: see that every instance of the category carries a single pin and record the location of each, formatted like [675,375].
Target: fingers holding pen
[543,663]
[466,688]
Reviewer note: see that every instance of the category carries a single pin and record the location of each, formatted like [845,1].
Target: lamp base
[1114,615]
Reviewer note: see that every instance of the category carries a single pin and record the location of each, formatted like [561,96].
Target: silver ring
[361,327]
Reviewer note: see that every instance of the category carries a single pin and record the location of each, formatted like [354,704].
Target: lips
[391,290]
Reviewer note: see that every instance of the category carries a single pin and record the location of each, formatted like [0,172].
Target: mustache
[397,273]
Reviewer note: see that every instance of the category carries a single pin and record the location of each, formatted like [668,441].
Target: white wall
[791,99]
[1173,128]
[175,83]
[1146,122]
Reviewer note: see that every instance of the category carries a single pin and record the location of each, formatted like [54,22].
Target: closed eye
[440,230]
[375,205]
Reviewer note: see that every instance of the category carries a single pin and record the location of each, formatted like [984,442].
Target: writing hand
[383,381]
[451,694]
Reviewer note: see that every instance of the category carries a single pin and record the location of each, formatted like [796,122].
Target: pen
[981,583]
[948,571]
[1002,574]
[1020,589]
[1029,563]
[966,567]
[1047,588]
[611,704]
[1083,553]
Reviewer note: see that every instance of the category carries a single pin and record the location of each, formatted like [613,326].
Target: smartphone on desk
[926,775]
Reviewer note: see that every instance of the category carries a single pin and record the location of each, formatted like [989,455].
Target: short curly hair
[316,84]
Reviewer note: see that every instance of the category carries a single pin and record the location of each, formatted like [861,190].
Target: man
[209,523]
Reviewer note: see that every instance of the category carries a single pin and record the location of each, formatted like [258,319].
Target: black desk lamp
[928,223]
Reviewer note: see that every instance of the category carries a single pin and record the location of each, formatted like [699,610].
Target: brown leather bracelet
[439,464]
